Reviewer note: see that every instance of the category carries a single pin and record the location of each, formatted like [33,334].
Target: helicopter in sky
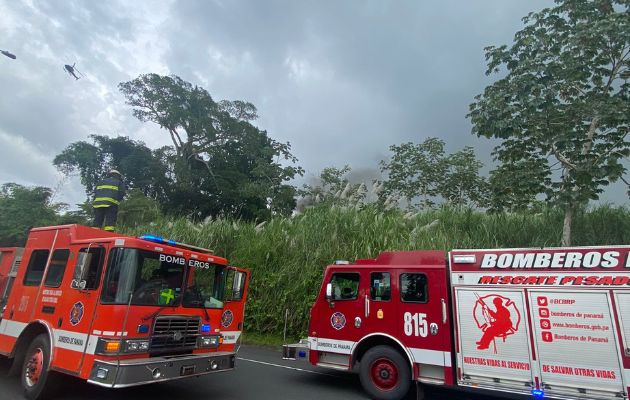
[73,71]
[8,54]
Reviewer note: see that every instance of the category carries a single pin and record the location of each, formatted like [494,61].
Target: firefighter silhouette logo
[76,313]
[497,317]
[338,320]
[227,318]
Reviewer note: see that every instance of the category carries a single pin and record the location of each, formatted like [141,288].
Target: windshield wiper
[159,310]
[200,300]
[154,314]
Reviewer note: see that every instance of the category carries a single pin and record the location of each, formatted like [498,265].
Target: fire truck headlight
[209,341]
[136,345]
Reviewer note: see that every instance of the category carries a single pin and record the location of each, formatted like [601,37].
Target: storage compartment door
[576,344]
[493,339]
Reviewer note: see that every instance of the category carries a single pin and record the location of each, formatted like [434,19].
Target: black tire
[37,380]
[385,374]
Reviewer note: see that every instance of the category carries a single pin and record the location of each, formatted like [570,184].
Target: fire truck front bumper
[296,351]
[158,369]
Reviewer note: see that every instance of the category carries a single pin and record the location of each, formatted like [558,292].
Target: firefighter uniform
[108,195]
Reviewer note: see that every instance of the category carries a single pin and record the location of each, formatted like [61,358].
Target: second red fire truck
[551,322]
[116,310]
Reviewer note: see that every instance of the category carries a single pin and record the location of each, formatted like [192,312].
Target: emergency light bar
[464,259]
[159,239]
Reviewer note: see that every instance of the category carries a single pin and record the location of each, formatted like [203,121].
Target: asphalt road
[260,374]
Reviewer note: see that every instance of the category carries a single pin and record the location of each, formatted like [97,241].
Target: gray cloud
[340,80]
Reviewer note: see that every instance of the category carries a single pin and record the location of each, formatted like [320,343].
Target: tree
[141,167]
[461,183]
[563,102]
[222,163]
[22,208]
[516,186]
[415,171]
[138,209]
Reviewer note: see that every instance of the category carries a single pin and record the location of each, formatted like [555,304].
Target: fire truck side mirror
[329,291]
[78,280]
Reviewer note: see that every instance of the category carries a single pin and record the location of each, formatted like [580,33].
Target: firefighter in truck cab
[118,311]
[544,323]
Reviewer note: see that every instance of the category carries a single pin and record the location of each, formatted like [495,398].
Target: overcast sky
[340,80]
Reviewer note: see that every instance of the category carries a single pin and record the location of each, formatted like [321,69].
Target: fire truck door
[420,315]
[74,324]
[380,314]
[234,307]
[338,318]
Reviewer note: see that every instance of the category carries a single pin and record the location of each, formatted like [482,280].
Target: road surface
[260,374]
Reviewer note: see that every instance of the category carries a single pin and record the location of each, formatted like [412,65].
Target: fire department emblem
[338,320]
[76,313]
[227,318]
[497,317]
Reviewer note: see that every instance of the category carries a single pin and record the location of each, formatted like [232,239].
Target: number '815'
[416,324]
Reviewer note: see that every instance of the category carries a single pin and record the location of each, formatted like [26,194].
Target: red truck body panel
[546,321]
[7,256]
[565,315]
[339,328]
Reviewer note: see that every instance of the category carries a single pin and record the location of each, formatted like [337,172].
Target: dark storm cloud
[344,80]
[340,80]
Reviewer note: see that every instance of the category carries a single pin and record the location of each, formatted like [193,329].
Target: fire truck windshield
[205,286]
[154,279]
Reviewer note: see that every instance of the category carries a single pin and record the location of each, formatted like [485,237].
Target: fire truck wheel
[36,379]
[384,373]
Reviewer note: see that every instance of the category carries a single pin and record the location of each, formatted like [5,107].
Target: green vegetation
[287,256]
[561,105]
[22,208]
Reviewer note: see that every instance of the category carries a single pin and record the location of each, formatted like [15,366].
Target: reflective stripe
[108,228]
[102,205]
[107,199]
[112,187]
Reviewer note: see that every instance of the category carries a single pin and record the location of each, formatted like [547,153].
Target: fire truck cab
[119,311]
[545,323]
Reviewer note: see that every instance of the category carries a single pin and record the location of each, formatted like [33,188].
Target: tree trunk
[566,226]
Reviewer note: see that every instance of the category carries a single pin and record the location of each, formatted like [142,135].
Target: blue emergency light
[158,239]
[205,328]
[538,393]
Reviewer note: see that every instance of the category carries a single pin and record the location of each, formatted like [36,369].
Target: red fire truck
[550,322]
[118,311]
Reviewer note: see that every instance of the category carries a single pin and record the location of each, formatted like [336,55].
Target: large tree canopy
[563,102]
[222,164]
[141,167]
[423,175]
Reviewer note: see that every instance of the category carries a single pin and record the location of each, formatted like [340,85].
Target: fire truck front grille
[174,334]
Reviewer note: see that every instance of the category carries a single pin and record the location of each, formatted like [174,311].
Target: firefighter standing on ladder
[107,196]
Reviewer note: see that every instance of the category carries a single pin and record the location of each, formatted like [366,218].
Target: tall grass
[287,256]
